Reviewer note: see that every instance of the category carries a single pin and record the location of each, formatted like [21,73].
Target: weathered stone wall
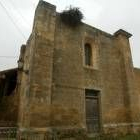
[36,74]
[136,106]
[54,77]
[112,75]
[137,91]
[68,77]
[24,65]
[113,108]
[42,67]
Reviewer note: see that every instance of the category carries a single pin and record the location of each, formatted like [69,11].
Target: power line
[21,15]
[12,20]
[9,57]
[34,5]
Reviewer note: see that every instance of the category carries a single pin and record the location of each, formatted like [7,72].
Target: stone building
[71,82]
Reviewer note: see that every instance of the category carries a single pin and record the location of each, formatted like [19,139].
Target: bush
[72,17]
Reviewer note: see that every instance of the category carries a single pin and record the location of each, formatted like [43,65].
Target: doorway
[92,111]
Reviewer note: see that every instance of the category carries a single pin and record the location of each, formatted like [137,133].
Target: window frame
[94,54]
[88,55]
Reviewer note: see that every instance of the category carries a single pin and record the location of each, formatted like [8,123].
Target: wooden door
[92,112]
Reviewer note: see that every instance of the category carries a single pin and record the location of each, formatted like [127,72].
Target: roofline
[8,70]
[136,68]
[99,30]
[123,32]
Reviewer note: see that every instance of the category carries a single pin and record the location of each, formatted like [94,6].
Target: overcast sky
[109,15]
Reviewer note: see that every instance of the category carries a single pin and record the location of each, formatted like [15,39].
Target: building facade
[71,83]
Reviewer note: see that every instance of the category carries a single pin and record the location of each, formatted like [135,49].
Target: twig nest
[72,17]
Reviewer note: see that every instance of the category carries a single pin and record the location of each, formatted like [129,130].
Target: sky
[108,15]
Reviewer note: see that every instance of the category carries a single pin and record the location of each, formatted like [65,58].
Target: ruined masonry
[70,83]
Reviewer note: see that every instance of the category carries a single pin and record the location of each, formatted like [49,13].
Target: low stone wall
[8,133]
[53,134]
[121,128]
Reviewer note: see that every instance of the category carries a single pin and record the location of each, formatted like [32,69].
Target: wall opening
[8,82]
[92,111]
[88,54]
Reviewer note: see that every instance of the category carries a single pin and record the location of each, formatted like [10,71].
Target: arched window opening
[88,54]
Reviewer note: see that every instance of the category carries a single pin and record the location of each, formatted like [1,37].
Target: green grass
[128,137]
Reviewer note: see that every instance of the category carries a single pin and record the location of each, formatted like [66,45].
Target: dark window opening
[88,54]
[92,111]
[8,83]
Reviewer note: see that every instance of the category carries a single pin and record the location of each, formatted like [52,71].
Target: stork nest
[72,17]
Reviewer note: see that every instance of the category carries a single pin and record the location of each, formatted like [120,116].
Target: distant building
[70,82]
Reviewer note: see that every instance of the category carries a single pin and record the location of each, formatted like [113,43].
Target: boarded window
[92,111]
[88,54]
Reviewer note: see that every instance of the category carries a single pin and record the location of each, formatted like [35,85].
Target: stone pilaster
[37,98]
[122,42]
